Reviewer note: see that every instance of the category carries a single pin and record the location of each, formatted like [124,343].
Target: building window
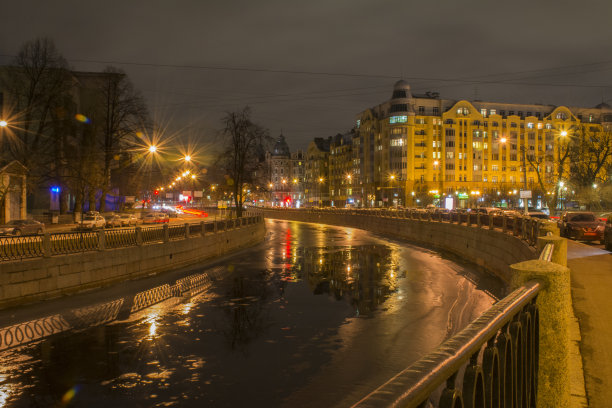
[421,110]
[530,125]
[401,107]
[436,110]
[398,119]
[419,121]
[358,123]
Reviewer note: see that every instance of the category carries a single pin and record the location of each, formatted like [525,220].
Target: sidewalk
[591,279]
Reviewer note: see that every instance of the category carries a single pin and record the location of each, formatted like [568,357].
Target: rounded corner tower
[401,99]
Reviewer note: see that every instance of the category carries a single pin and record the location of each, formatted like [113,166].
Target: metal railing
[525,228]
[20,247]
[176,231]
[120,238]
[15,248]
[72,242]
[152,234]
[492,362]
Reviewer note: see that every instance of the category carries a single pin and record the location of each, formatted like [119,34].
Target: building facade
[286,175]
[418,149]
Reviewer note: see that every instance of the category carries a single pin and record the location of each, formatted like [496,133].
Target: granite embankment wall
[43,278]
[491,248]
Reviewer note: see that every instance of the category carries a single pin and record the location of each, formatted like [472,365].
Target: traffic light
[156,192]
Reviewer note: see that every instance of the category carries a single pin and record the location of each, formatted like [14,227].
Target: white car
[91,222]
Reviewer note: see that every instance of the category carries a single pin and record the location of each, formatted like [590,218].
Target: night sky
[307,67]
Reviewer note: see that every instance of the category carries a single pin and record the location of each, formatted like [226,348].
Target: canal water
[314,316]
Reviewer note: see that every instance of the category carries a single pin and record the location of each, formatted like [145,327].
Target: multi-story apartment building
[317,172]
[341,170]
[415,149]
[285,175]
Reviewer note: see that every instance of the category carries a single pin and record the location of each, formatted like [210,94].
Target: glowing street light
[187,158]
[563,133]
[152,149]
[503,140]
[3,123]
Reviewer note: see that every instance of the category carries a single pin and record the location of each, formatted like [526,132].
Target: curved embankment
[490,248]
[28,280]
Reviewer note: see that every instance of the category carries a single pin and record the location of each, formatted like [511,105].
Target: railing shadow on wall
[13,248]
[500,359]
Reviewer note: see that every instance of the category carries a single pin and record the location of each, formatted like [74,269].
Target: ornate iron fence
[20,247]
[71,242]
[176,231]
[120,238]
[152,234]
[195,229]
[492,362]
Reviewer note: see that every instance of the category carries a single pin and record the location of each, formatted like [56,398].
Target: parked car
[113,220]
[92,222]
[608,233]
[538,214]
[22,227]
[149,218]
[128,219]
[155,218]
[162,217]
[581,225]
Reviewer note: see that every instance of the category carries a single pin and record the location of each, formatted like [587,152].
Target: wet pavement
[591,278]
[314,316]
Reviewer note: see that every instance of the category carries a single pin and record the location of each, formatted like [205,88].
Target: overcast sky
[307,67]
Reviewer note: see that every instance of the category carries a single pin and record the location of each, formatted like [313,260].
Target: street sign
[197,194]
[168,195]
[525,193]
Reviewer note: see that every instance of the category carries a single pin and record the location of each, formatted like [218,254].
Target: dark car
[22,227]
[113,220]
[581,226]
[608,233]
[538,214]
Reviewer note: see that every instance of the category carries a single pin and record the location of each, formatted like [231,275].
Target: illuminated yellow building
[416,149]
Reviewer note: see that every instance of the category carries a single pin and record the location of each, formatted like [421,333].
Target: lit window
[530,125]
[483,112]
[398,119]
[358,123]
[492,112]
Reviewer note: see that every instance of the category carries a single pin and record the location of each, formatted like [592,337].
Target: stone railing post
[468,221]
[504,223]
[46,245]
[491,221]
[554,306]
[515,226]
[101,240]
[203,228]
[559,255]
[549,226]
[478,220]
[166,233]
[216,227]
[138,232]
[186,231]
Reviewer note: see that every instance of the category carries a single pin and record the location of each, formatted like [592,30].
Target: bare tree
[121,113]
[38,86]
[245,146]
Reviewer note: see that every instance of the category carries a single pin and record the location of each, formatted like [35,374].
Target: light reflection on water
[283,313]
